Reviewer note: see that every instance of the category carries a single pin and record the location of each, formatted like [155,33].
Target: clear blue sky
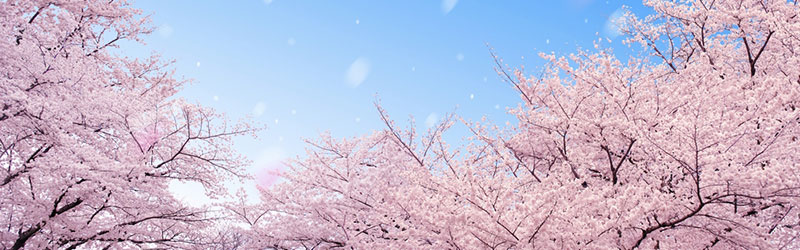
[305,67]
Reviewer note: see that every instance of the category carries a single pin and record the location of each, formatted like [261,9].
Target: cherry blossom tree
[691,144]
[90,140]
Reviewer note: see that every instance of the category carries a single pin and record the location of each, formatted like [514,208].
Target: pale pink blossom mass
[691,143]
[90,141]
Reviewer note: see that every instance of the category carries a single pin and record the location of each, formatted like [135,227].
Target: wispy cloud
[165,30]
[269,165]
[613,25]
[259,109]
[448,5]
[431,120]
[358,72]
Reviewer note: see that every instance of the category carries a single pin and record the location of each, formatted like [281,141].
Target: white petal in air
[267,2]
[358,21]
[291,41]
[259,109]
[198,64]
[448,5]
[357,72]
[216,98]
[460,57]
[431,120]
[358,119]
[471,96]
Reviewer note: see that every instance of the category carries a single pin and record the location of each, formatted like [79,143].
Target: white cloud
[267,164]
[448,5]
[165,30]
[612,27]
[177,107]
[357,72]
[259,109]
[270,155]
[431,120]
[580,3]
[187,193]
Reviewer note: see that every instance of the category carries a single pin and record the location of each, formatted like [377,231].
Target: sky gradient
[306,67]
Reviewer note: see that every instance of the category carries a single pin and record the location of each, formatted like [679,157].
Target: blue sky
[305,67]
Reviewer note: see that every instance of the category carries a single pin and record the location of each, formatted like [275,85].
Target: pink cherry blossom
[690,144]
[89,141]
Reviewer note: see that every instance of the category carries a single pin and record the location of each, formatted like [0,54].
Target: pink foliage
[269,175]
[83,163]
[692,144]
[147,137]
